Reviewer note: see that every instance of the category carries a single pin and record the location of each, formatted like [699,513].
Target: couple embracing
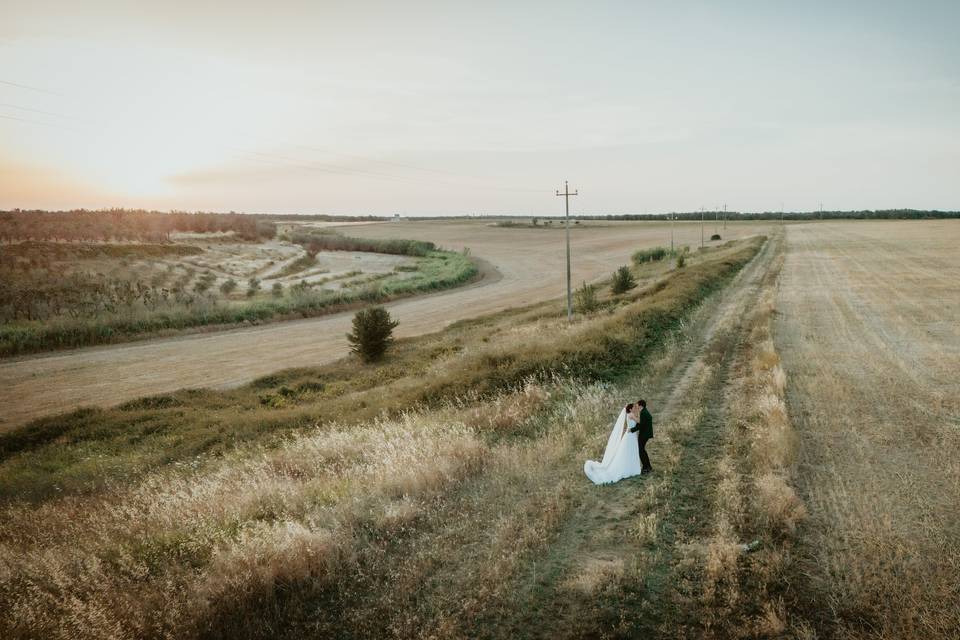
[626,453]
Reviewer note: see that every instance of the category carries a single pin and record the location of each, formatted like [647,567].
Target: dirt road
[529,265]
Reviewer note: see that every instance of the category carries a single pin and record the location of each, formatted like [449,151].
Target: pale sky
[479,107]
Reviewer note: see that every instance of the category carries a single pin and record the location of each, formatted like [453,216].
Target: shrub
[650,255]
[681,259]
[253,286]
[715,236]
[204,282]
[586,297]
[227,286]
[333,242]
[277,290]
[623,280]
[372,333]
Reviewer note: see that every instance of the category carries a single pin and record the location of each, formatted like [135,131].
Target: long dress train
[621,458]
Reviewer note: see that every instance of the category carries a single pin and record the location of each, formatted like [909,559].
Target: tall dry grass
[167,557]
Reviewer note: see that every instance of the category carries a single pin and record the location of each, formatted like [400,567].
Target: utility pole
[566,196]
[673,216]
[724,218]
[821,211]
[701,227]
[716,220]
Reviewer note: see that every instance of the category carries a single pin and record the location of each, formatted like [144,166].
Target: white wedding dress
[621,458]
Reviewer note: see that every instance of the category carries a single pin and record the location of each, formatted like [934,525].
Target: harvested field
[869,333]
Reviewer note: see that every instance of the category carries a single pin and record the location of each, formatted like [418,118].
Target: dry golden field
[869,331]
[804,388]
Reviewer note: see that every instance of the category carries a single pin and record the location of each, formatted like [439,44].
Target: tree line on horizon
[863,214]
[156,226]
[126,224]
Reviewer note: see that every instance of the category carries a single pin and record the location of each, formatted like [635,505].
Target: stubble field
[869,332]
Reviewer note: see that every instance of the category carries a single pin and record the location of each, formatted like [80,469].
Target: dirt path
[599,540]
[529,267]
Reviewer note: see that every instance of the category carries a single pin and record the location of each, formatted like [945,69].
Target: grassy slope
[60,450]
[425,568]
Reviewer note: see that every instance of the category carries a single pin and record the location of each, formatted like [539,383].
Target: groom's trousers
[644,458]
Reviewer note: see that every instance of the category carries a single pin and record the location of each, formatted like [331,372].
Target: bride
[621,458]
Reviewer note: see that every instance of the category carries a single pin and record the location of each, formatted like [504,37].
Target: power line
[26,86]
[46,113]
[43,124]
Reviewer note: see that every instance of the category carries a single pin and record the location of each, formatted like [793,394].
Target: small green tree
[277,290]
[253,285]
[623,280]
[372,333]
[227,286]
[681,259]
[586,297]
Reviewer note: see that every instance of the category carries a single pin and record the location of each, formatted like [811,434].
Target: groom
[644,431]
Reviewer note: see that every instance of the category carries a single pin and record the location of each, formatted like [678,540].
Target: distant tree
[372,333]
[623,280]
[253,285]
[715,236]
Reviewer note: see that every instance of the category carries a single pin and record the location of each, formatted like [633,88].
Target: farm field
[869,332]
[514,262]
[804,388]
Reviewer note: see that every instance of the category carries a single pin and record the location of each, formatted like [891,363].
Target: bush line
[454,269]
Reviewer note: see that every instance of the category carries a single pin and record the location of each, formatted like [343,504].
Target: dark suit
[644,431]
